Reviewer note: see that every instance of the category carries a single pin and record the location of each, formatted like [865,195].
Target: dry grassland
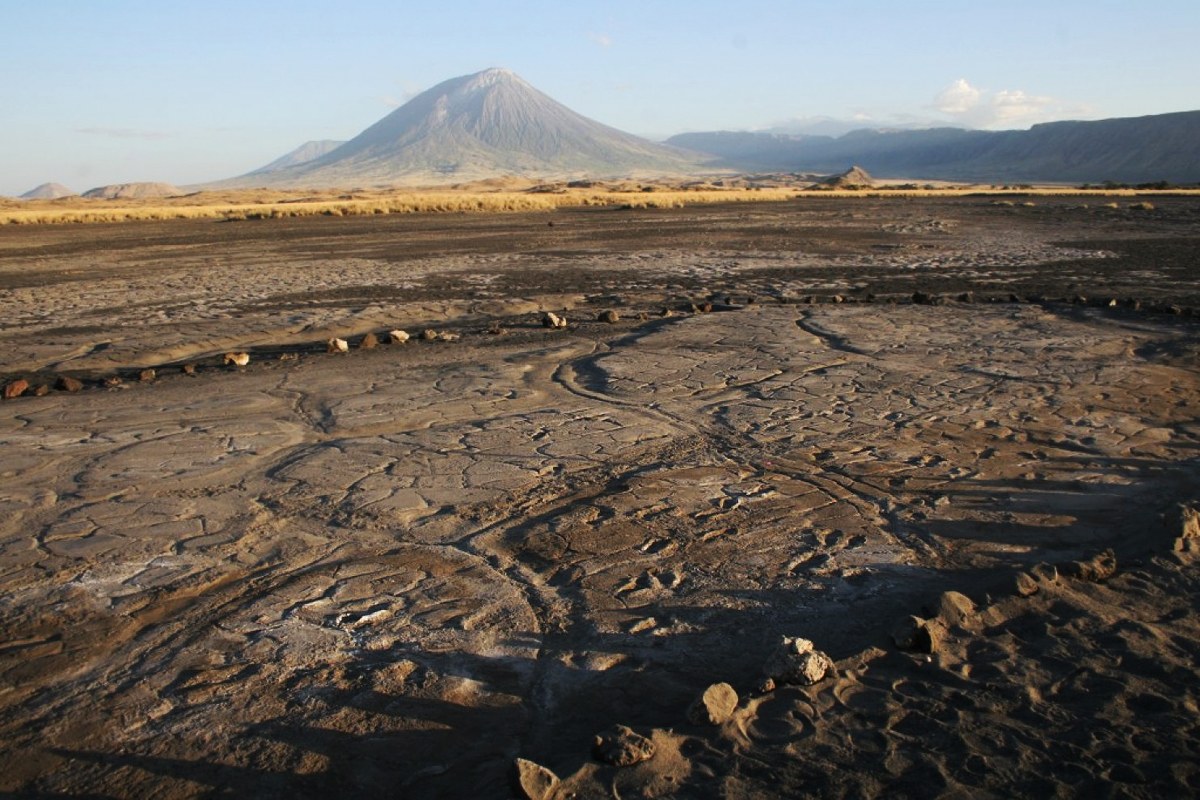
[268,204]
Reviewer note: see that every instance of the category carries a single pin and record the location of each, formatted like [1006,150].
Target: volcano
[479,126]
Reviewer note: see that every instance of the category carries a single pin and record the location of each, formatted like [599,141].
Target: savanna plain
[950,441]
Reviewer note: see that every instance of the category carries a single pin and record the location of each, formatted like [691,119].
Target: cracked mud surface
[396,570]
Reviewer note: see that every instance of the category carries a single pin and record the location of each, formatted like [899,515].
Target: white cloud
[1007,108]
[601,39]
[958,98]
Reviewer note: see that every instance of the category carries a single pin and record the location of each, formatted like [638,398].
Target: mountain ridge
[1129,149]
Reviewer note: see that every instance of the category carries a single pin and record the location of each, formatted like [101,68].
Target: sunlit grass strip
[449,202]
[463,202]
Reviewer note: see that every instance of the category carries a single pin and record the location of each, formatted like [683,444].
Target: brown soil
[396,570]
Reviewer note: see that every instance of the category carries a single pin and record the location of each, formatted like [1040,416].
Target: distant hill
[474,127]
[48,191]
[132,191]
[851,178]
[1133,150]
[301,155]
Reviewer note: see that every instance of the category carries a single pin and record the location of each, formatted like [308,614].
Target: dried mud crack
[399,569]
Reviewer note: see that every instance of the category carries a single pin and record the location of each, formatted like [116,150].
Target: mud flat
[946,441]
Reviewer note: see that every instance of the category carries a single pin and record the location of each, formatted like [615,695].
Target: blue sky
[104,91]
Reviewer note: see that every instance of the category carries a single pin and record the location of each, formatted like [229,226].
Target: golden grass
[268,204]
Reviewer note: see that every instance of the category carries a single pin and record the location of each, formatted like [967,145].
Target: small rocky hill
[132,191]
[852,178]
[48,191]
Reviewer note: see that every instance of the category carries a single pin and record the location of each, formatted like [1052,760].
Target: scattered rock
[448,337]
[1096,569]
[916,634]
[701,308]
[609,316]
[237,359]
[397,336]
[928,299]
[112,380]
[429,335]
[1026,586]
[15,388]
[1185,523]
[622,747]
[552,320]
[952,608]
[147,375]
[369,342]
[533,781]
[796,662]
[715,706]
[190,369]
[70,384]
[41,390]
[666,312]
[336,345]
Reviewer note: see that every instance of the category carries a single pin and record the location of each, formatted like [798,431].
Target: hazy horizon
[130,91]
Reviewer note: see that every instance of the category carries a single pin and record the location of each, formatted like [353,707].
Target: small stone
[609,316]
[533,781]
[1182,545]
[796,662]
[112,380]
[448,337]
[622,747]
[41,390]
[715,706]
[429,335]
[495,329]
[189,369]
[916,634]
[369,342]
[336,345]
[952,608]
[1097,569]
[237,359]
[1025,584]
[16,388]
[397,336]
[1185,522]
[68,384]
[147,375]
[666,312]
[552,320]
[966,297]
